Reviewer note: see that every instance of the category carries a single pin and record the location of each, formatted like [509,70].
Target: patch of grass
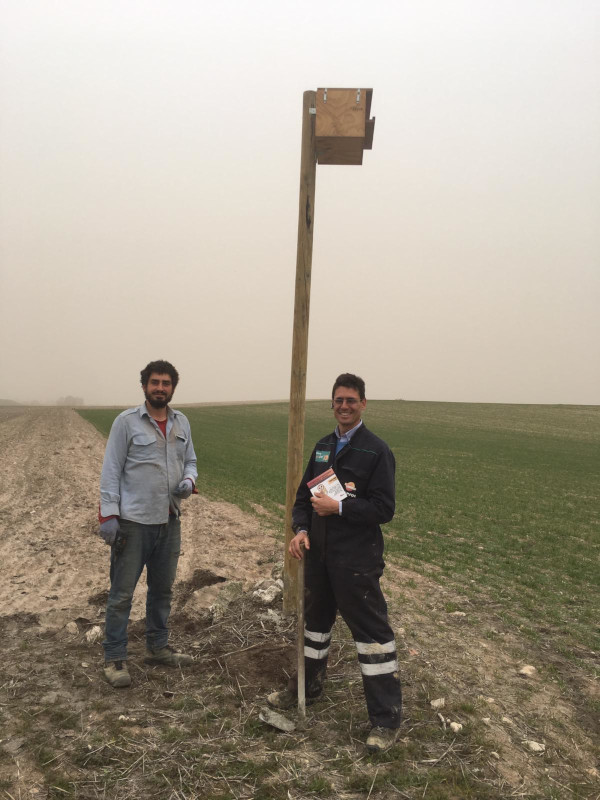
[450,606]
[185,703]
[319,785]
[365,783]
[446,783]
[253,727]
[60,787]
[45,756]
[63,720]
[594,706]
[170,734]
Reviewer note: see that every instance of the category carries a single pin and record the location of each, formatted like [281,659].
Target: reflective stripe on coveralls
[317,638]
[374,658]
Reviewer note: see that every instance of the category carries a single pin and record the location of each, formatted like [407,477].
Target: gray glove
[184,489]
[109,529]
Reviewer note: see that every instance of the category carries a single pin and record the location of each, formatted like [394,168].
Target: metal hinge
[358,95]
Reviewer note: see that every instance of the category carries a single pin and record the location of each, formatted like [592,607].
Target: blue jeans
[157,548]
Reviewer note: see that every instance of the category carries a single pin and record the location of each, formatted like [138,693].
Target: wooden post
[300,643]
[295,454]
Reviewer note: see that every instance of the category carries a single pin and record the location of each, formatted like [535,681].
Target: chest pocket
[181,444]
[142,447]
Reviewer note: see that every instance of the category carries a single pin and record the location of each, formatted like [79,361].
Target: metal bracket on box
[325,95]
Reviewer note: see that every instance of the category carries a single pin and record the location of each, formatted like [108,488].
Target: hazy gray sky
[149,159]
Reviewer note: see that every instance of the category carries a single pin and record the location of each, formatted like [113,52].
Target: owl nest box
[343,128]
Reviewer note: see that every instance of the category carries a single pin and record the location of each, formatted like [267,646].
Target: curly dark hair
[349,381]
[160,367]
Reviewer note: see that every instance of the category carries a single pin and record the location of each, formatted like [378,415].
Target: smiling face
[159,390]
[347,408]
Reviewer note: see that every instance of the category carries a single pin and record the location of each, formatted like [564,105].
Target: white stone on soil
[93,635]
[527,671]
[535,747]
[269,594]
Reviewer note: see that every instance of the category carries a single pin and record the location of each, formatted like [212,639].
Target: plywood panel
[342,125]
[339,113]
[340,150]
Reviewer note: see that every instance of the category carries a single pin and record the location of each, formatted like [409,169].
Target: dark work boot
[117,674]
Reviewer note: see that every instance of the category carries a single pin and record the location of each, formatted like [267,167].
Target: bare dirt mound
[195,733]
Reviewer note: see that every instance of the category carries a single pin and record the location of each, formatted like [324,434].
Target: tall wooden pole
[295,454]
[300,643]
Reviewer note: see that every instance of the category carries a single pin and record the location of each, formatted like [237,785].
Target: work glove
[184,489]
[109,529]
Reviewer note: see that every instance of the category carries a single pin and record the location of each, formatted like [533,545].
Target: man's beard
[158,402]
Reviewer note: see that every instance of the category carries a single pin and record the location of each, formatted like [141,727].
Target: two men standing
[149,467]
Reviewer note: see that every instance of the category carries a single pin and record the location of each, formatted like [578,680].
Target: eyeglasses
[350,401]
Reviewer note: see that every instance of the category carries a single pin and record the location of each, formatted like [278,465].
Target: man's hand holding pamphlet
[327,483]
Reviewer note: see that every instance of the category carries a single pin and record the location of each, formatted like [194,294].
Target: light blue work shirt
[344,438]
[142,468]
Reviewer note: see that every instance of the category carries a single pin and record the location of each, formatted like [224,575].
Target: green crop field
[502,501]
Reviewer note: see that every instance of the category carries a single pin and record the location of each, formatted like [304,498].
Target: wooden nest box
[342,125]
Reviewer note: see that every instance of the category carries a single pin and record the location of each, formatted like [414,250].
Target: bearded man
[149,467]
